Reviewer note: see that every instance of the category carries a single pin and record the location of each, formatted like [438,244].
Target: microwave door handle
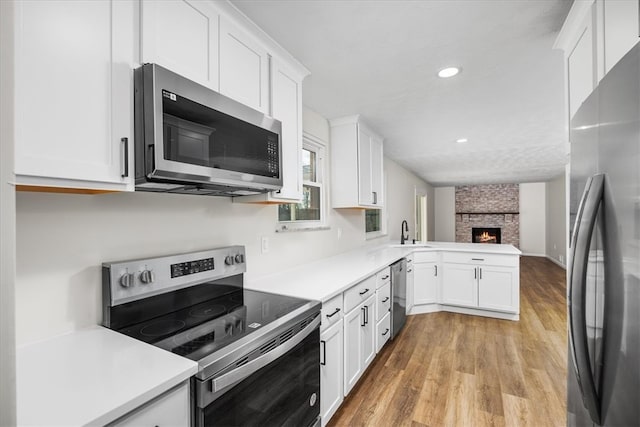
[238,374]
[576,292]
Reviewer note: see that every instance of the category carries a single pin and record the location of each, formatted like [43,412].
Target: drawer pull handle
[410,270]
[365,291]
[409,260]
[385,277]
[334,313]
[436,270]
[386,299]
[385,332]
[477,259]
[480,268]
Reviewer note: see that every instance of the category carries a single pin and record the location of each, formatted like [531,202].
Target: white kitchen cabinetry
[286,100]
[594,37]
[383,331]
[182,36]
[170,409]
[359,341]
[331,370]
[74,94]
[426,278]
[488,282]
[410,283]
[621,29]
[244,66]
[356,165]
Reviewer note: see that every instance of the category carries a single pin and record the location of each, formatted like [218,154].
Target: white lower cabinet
[459,285]
[383,331]
[487,282]
[410,284]
[359,341]
[331,370]
[425,283]
[170,409]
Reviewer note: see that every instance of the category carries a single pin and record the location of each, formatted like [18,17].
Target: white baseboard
[555,261]
[432,308]
[530,254]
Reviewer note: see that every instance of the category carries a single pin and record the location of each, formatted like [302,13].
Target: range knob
[147,276]
[239,259]
[126,280]
[229,260]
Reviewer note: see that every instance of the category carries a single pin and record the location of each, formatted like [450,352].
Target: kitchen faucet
[404,228]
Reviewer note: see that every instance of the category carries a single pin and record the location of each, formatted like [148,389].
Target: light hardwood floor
[447,369]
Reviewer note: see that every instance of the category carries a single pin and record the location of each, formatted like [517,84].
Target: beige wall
[532,219]
[556,244]
[445,211]
[63,239]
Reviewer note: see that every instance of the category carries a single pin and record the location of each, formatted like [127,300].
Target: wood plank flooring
[447,369]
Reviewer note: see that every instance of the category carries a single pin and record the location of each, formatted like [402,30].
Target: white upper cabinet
[244,66]
[286,105]
[356,165]
[181,36]
[621,29]
[594,37]
[74,94]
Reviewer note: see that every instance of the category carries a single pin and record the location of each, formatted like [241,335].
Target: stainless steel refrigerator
[604,263]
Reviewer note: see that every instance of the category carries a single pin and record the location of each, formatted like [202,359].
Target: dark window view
[198,135]
[372,220]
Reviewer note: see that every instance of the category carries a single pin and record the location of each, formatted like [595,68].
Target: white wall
[63,239]
[532,219]
[400,200]
[445,214]
[556,245]
[7,222]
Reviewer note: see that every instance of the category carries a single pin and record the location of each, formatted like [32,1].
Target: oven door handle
[232,377]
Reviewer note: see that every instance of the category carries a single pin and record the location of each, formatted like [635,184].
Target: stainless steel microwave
[191,139]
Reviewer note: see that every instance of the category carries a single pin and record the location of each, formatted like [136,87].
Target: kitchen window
[375,219]
[310,212]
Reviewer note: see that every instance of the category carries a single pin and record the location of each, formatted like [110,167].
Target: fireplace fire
[485,235]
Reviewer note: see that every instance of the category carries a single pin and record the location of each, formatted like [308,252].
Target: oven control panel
[127,281]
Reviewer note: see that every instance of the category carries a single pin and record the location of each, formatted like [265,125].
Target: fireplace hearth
[486,235]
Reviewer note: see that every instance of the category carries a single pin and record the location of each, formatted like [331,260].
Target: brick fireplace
[493,209]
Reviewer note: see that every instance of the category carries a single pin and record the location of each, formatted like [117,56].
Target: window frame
[316,145]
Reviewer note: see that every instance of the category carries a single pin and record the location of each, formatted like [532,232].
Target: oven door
[281,387]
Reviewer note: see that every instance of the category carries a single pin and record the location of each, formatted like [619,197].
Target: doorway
[421,215]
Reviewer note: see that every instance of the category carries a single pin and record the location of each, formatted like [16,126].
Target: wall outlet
[264,244]
[339,233]
[561,257]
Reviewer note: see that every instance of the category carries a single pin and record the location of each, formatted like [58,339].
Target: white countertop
[321,280]
[92,376]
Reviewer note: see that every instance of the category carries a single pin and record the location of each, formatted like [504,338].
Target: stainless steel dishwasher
[398,296]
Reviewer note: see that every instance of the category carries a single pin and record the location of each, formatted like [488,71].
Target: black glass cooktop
[199,329]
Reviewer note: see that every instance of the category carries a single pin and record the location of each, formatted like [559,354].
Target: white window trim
[319,146]
[383,217]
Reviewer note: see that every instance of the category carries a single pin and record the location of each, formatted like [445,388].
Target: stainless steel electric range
[258,353]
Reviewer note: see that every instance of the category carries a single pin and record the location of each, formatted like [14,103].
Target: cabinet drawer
[383,276]
[481,259]
[331,312]
[383,331]
[171,408]
[425,257]
[383,301]
[358,293]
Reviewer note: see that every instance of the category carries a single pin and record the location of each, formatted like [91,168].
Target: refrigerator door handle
[576,292]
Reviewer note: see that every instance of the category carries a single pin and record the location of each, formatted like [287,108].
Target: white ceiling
[380,59]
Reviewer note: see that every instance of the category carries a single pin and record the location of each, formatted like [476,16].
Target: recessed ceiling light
[461,140]
[448,72]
